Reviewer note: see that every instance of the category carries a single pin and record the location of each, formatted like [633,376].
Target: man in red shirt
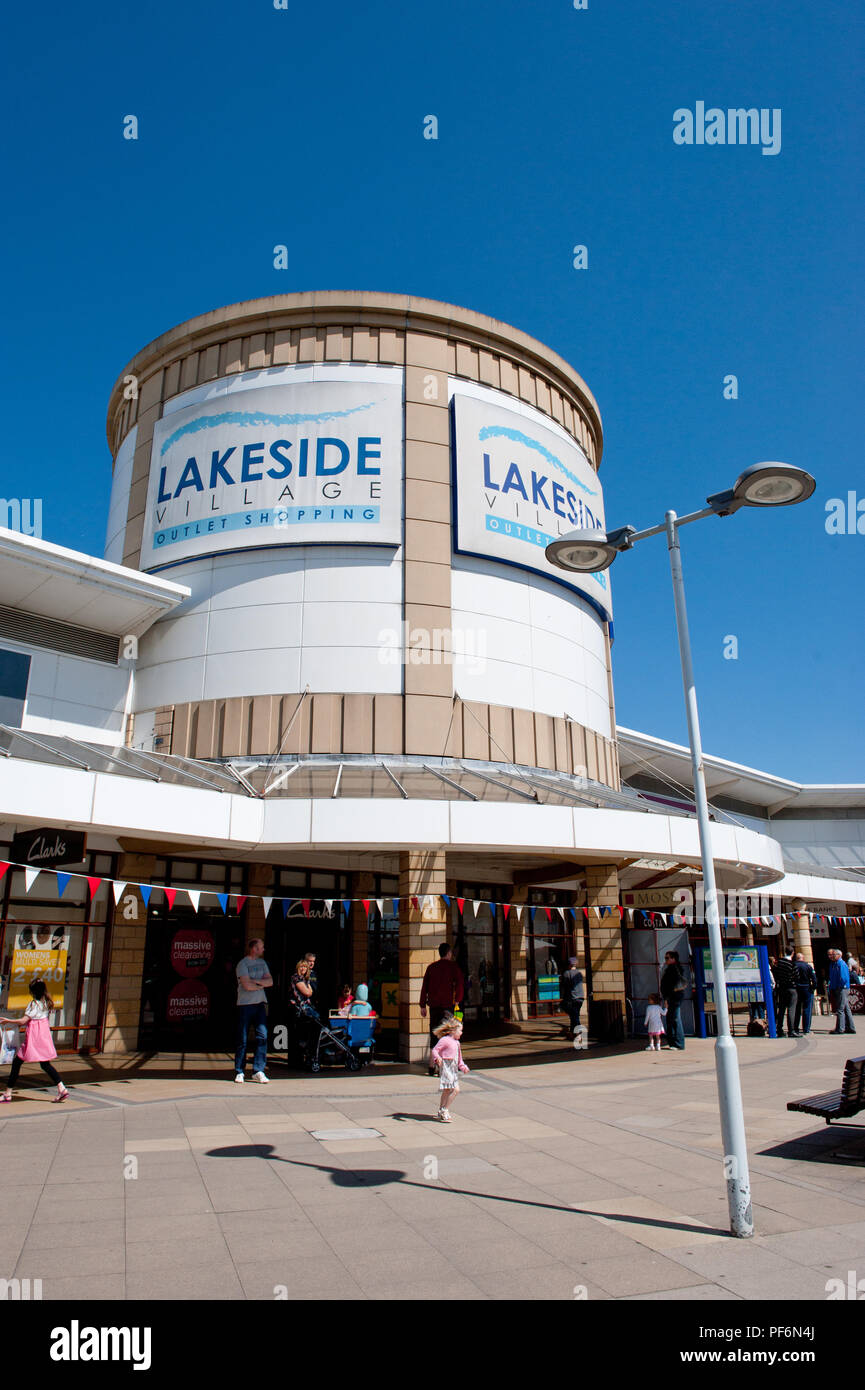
[443,989]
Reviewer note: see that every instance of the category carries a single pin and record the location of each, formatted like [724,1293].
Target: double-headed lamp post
[588,551]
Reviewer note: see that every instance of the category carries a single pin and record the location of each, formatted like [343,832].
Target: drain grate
[346,1133]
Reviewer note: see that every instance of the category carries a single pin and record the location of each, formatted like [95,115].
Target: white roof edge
[767,778]
[89,567]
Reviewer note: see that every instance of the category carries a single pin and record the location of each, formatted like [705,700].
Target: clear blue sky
[304,126]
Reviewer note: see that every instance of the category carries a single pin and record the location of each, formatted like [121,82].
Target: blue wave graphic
[257,417]
[489,431]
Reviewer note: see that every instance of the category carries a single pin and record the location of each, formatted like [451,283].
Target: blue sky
[304,127]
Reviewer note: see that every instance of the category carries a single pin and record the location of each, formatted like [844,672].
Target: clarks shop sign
[47,848]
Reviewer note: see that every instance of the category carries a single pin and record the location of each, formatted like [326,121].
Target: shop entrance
[189,987]
[316,927]
[481,946]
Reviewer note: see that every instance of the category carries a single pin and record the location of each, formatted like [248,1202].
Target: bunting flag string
[568,916]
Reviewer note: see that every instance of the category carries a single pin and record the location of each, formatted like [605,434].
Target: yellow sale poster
[35,960]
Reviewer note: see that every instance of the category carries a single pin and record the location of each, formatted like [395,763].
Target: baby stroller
[340,1040]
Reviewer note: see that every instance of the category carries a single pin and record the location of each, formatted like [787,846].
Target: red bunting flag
[307,903]
[94,885]
[3,868]
[549,914]
[415,904]
[621,912]
[506,907]
[365,902]
[240,901]
[171,894]
[461,902]
[586,913]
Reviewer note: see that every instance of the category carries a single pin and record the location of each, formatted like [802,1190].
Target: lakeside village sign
[313,462]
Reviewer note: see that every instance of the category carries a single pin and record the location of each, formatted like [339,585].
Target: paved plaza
[594,1175]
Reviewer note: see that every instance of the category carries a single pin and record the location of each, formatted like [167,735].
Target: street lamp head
[773,485]
[588,551]
[764,485]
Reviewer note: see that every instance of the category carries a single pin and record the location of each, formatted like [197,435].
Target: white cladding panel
[525,641]
[74,696]
[115,531]
[271,622]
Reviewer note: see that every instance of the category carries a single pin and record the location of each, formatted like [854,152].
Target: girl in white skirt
[447,1057]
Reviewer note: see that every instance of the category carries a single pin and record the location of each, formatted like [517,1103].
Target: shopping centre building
[325,688]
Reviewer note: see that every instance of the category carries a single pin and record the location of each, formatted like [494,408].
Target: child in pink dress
[447,1055]
[38,1044]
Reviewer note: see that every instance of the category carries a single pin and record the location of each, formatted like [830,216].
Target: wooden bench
[837,1105]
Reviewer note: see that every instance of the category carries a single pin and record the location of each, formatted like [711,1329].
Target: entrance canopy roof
[315,778]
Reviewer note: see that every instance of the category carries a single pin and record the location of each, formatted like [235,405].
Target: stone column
[518,924]
[126,965]
[605,936]
[421,931]
[362,886]
[259,878]
[802,930]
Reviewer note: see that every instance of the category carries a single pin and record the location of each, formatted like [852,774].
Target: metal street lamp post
[587,551]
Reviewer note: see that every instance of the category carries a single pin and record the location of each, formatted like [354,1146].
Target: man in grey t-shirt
[253,978]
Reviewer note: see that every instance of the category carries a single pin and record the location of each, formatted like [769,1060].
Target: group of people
[253,978]
[794,986]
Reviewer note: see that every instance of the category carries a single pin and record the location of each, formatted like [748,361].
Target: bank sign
[316,462]
[519,485]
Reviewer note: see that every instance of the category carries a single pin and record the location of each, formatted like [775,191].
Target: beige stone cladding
[422,929]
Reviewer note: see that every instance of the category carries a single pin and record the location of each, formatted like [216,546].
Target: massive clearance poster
[299,463]
[519,484]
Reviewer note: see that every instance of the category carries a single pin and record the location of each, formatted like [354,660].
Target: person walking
[448,1056]
[442,990]
[839,994]
[785,994]
[673,992]
[253,978]
[655,1022]
[38,1045]
[806,987]
[573,988]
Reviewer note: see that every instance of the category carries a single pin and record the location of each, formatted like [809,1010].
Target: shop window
[61,938]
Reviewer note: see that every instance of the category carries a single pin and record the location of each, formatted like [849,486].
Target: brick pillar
[259,878]
[421,930]
[802,930]
[518,923]
[605,935]
[126,965]
[362,886]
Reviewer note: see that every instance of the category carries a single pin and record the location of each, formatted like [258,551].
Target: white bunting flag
[379,902]
[118,888]
[328,903]
[266,903]
[194,895]
[30,877]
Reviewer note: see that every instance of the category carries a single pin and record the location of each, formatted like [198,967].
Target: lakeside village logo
[538,492]
[731,127]
[317,466]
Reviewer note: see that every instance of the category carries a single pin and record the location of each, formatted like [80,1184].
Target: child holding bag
[38,1044]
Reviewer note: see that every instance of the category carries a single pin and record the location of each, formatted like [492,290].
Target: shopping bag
[10,1042]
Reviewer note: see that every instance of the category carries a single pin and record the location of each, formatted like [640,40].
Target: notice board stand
[749,981]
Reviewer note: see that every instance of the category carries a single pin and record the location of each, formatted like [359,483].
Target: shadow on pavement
[378,1177]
